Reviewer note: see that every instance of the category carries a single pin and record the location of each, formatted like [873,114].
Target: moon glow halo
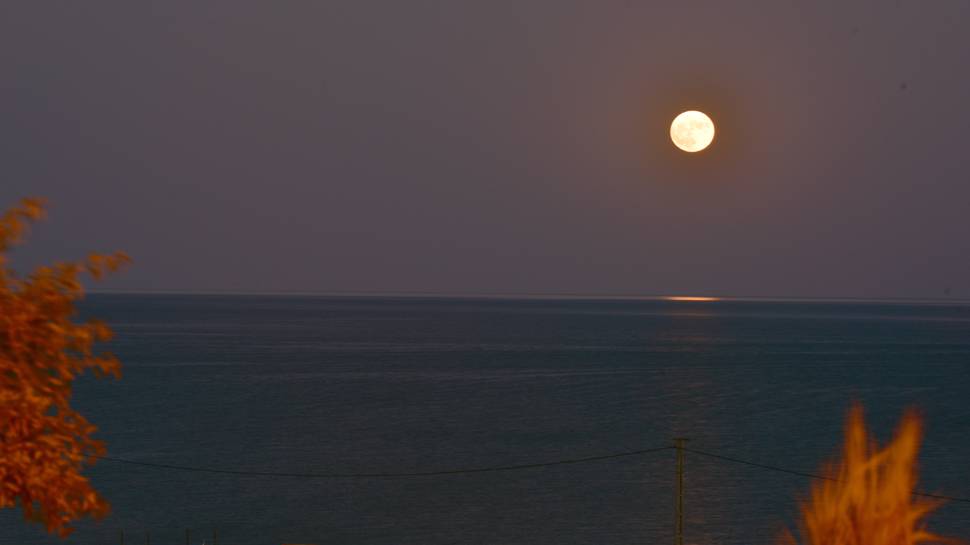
[692,131]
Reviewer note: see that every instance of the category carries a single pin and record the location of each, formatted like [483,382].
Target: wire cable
[491,469]
[809,475]
[755,464]
[387,474]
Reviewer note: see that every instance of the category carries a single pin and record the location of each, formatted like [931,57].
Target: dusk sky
[495,147]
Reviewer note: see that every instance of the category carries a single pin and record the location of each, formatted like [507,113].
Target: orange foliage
[869,498]
[44,444]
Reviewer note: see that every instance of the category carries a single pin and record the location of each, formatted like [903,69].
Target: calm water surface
[311,385]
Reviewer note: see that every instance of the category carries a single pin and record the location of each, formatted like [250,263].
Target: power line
[387,474]
[809,475]
[755,464]
[491,469]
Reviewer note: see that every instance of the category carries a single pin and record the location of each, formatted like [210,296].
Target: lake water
[350,385]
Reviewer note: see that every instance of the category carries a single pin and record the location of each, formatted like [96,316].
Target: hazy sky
[495,146]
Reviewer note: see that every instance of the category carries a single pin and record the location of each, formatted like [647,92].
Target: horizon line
[672,297]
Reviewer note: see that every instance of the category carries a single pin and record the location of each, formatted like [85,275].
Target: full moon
[692,131]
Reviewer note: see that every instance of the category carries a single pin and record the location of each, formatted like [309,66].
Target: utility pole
[679,533]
